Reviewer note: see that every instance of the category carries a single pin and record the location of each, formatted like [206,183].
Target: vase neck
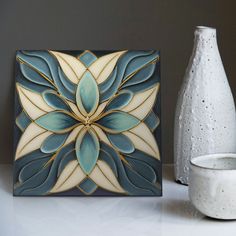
[205,38]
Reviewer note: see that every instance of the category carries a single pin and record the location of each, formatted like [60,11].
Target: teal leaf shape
[55,101]
[25,160]
[53,142]
[87,58]
[57,121]
[140,76]
[32,168]
[70,86]
[37,179]
[87,150]
[139,63]
[70,156]
[30,85]
[129,178]
[41,66]
[34,76]
[119,101]
[45,63]
[121,142]
[152,121]
[105,86]
[143,169]
[147,159]
[87,94]
[106,157]
[44,176]
[23,121]
[88,186]
[118,121]
[127,65]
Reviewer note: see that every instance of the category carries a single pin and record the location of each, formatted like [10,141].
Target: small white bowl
[212,185]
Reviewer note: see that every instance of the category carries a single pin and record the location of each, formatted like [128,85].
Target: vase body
[205,120]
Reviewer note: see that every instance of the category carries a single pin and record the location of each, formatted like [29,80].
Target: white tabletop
[171,214]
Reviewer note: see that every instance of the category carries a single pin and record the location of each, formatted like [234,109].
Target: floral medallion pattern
[85,123]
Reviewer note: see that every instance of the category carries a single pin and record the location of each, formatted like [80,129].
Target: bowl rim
[213,156]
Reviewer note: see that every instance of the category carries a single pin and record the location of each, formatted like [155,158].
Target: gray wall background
[107,24]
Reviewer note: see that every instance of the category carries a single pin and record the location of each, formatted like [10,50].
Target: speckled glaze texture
[205,121]
[212,185]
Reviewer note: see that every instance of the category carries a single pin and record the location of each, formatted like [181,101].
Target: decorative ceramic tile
[85,123]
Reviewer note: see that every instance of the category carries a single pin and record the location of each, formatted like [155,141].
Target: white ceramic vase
[205,120]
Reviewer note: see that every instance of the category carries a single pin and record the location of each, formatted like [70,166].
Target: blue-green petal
[87,94]
[44,62]
[34,76]
[120,101]
[141,76]
[32,168]
[26,159]
[105,86]
[143,169]
[88,186]
[127,64]
[123,177]
[140,181]
[23,121]
[87,58]
[70,156]
[35,62]
[42,181]
[56,121]
[137,88]
[70,86]
[106,157]
[118,121]
[144,157]
[30,85]
[121,142]
[139,63]
[34,181]
[152,121]
[55,101]
[87,150]
[53,142]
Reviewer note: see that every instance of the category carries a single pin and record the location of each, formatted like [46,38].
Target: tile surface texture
[87,123]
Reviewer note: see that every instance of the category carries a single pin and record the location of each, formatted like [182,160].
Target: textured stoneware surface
[212,185]
[85,123]
[205,120]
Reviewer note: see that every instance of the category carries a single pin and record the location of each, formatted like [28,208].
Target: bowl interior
[216,162]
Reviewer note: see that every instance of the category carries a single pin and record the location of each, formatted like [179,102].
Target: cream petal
[33,103]
[75,109]
[103,176]
[104,65]
[73,135]
[142,103]
[71,176]
[99,110]
[143,139]
[70,65]
[101,135]
[31,140]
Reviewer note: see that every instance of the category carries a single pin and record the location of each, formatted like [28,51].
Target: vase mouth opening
[205,30]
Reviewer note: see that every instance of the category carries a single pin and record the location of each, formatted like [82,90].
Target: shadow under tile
[180,209]
[6,178]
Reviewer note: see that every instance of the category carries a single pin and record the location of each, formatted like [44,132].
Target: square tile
[87,123]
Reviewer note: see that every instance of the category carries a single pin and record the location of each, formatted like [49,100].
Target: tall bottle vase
[205,120]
